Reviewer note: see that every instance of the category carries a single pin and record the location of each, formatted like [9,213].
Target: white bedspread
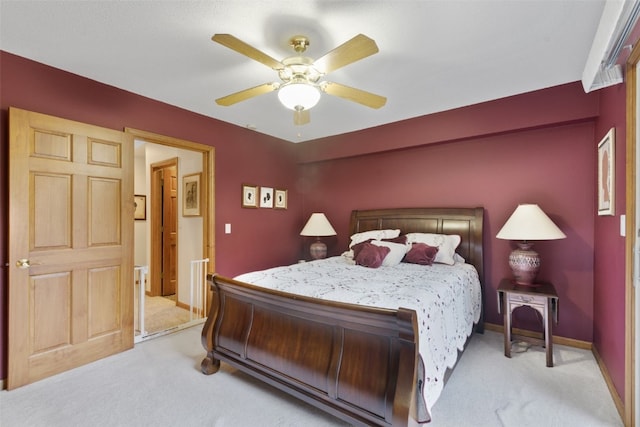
[446,298]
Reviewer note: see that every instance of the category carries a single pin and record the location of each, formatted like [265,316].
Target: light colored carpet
[488,389]
[158,383]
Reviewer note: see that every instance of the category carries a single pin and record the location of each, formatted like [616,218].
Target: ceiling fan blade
[356,95]
[246,94]
[351,51]
[245,49]
[301,117]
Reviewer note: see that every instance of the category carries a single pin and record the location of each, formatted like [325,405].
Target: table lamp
[528,222]
[318,225]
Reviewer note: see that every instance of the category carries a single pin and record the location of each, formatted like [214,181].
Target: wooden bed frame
[358,363]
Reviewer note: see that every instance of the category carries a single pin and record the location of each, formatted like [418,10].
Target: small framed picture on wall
[266,197]
[606,174]
[249,196]
[140,212]
[191,195]
[280,201]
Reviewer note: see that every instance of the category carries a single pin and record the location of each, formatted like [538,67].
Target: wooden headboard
[465,222]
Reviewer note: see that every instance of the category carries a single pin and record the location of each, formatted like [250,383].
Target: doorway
[171,239]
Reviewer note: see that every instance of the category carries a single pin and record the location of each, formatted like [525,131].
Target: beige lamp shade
[318,225]
[528,222]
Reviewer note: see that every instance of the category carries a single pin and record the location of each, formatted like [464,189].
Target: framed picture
[606,174]
[249,196]
[140,213]
[191,194]
[280,200]
[266,197]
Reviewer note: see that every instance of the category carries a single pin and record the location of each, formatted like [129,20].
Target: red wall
[609,255]
[532,148]
[242,156]
[609,264]
[498,164]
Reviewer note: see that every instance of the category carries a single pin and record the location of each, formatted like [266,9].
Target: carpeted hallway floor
[161,313]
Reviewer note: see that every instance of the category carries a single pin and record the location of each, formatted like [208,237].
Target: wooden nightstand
[542,298]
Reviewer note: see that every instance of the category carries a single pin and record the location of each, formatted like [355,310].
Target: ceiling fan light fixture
[295,95]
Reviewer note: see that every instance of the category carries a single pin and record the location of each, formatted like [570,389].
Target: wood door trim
[629,416]
[208,187]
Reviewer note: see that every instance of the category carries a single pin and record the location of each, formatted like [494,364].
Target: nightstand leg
[548,335]
[507,329]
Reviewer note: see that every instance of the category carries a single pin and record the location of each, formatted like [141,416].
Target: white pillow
[458,258]
[373,234]
[446,243]
[396,253]
[348,256]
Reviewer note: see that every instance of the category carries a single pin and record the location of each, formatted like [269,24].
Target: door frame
[208,188]
[630,398]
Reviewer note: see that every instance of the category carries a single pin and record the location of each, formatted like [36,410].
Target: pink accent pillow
[358,247]
[421,253]
[371,255]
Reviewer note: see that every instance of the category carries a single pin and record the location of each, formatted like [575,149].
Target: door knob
[23,263]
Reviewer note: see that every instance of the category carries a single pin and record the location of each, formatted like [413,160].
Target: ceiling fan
[301,77]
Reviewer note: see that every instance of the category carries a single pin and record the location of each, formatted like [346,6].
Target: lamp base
[524,263]
[318,250]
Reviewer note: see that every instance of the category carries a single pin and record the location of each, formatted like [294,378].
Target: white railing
[140,277]
[198,292]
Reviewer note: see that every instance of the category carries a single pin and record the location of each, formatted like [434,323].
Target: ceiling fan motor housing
[299,68]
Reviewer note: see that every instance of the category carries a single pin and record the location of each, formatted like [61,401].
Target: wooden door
[164,227]
[70,245]
[169,230]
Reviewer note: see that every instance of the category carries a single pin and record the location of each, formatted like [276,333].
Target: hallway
[161,313]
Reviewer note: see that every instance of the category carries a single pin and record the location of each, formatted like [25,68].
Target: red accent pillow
[371,255]
[358,247]
[421,253]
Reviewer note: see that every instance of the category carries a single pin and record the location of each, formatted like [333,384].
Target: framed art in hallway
[191,195]
[140,212]
[249,196]
[606,174]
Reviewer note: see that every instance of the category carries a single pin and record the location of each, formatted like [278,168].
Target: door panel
[50,305]
[51,195]
[71,218]
[104,300]
[104,211]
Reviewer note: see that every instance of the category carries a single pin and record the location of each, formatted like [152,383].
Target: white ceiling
[434,55]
